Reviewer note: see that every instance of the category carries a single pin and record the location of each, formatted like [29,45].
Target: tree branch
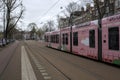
[16,21]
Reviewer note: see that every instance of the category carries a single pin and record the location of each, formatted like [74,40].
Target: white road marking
[39,66]
[44,74]
[47,77]
[27,70]
[42,70]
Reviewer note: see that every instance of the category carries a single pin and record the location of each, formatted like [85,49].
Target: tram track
[55,67]
[63,58]
[68,64]
[93,74]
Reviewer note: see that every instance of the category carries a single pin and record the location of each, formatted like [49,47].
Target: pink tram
[85,39]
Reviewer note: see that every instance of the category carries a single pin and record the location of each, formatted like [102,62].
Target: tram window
[75,38]
[51,38]
[63,39]
[45,38]
[57,38]
[92,38]
[113,38]
[54,39]
[66,38]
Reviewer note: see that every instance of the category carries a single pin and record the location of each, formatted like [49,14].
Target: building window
[92,38]
[75,38]
[117,3]
[113,38]
[111,1]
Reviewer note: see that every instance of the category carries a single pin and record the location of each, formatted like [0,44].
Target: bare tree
[33,30]
[101,13]
[1,5]
[12,7]
[31,26]
[51,25]
[45,28]
[40,33]
[58,21]
[72,7]
[10,34]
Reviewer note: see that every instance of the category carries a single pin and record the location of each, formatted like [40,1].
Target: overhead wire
[53,7]
[44,14]
[64,9]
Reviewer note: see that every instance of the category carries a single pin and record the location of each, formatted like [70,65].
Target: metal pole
[60,38]
[4,21]
[99,40]
[60,32]
[70,22]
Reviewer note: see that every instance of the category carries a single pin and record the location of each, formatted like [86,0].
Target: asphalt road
[63,66]
[31,60]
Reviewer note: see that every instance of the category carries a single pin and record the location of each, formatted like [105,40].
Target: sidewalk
[3,47]
[6,54]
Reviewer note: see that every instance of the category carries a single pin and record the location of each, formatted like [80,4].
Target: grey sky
[35,10]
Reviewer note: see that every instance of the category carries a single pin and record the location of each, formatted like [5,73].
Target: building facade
[91,13]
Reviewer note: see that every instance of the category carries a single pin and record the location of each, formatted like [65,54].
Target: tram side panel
[88,41]
[75,41]
[111,40]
